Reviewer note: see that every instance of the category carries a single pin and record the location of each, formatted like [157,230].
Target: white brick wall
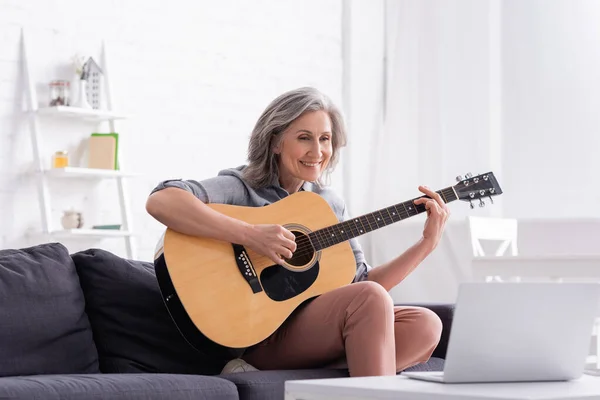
[195,75]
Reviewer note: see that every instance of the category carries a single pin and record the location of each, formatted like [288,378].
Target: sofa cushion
[270,385]
[43,325]
[117,386]
[132,327]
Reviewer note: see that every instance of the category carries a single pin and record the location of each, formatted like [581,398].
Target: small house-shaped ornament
[94,85]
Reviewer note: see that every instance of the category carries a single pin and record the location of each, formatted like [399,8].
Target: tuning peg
[468,175]
[471,204]
[492,200]
[481,203]
[459,178]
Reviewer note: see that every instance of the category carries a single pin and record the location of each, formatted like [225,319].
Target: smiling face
[305,150]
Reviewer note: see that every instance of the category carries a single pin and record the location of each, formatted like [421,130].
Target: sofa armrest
[446,313]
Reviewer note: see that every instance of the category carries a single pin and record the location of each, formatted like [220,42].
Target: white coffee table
[402,388]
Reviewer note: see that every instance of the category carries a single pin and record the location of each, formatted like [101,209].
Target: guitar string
[304,246]
[304,239]
[387,219]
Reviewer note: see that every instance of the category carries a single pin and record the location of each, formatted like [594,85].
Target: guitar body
[225,298]
[236,297]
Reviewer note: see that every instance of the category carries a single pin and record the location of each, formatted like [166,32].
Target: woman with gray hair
[293,147]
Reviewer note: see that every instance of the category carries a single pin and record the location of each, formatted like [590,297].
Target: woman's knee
[373,296]
[429,327]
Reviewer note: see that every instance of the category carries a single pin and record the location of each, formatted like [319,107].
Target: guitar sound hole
[281,283]
[304,250]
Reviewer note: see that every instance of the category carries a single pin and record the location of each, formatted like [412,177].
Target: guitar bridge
[246,269]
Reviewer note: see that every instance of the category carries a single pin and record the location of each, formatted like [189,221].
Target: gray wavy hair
[263,169]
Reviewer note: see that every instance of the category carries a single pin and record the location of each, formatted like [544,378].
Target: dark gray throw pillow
[132,327]
[43,325]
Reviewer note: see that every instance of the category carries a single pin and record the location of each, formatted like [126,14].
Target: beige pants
[355,326]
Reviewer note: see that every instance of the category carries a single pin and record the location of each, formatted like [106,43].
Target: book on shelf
[104,151]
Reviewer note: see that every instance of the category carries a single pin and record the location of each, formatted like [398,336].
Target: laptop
[518,332]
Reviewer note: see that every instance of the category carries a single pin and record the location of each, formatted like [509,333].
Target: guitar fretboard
[357,226]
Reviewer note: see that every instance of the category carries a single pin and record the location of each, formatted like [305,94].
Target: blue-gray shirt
[229,187]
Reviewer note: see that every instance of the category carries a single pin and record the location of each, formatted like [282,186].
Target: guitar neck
[358,226]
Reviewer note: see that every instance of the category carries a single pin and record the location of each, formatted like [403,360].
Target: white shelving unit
[80,113]
[91,116]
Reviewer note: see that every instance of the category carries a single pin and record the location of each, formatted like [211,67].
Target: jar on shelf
[71,219]
[60,93]
[60,159]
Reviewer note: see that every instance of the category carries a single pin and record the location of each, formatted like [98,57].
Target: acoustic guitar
[236,297]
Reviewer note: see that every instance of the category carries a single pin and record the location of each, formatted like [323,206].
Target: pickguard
[282,284]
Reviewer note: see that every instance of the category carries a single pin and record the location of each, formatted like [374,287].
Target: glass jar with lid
[60,159]
[60,93]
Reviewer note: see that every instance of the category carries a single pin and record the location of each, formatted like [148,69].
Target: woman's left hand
[437,215]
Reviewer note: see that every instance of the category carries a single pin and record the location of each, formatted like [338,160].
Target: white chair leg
[597,333]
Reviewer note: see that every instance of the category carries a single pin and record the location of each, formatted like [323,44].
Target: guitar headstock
[477,188]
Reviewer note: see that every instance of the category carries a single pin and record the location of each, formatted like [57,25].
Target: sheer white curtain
[408,145]
[471,86]
[434,125]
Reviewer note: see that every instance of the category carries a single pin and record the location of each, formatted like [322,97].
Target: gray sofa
[92,325]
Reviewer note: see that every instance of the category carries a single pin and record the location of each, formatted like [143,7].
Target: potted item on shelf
[71,219]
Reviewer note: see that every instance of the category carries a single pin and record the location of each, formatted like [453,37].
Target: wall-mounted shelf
[89,173]
[80,113]
[90,233]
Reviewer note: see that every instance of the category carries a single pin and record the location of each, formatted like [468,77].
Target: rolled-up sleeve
[191,186]
[219,189]
[362,271]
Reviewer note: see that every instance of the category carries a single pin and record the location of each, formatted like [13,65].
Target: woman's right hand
[272,241]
